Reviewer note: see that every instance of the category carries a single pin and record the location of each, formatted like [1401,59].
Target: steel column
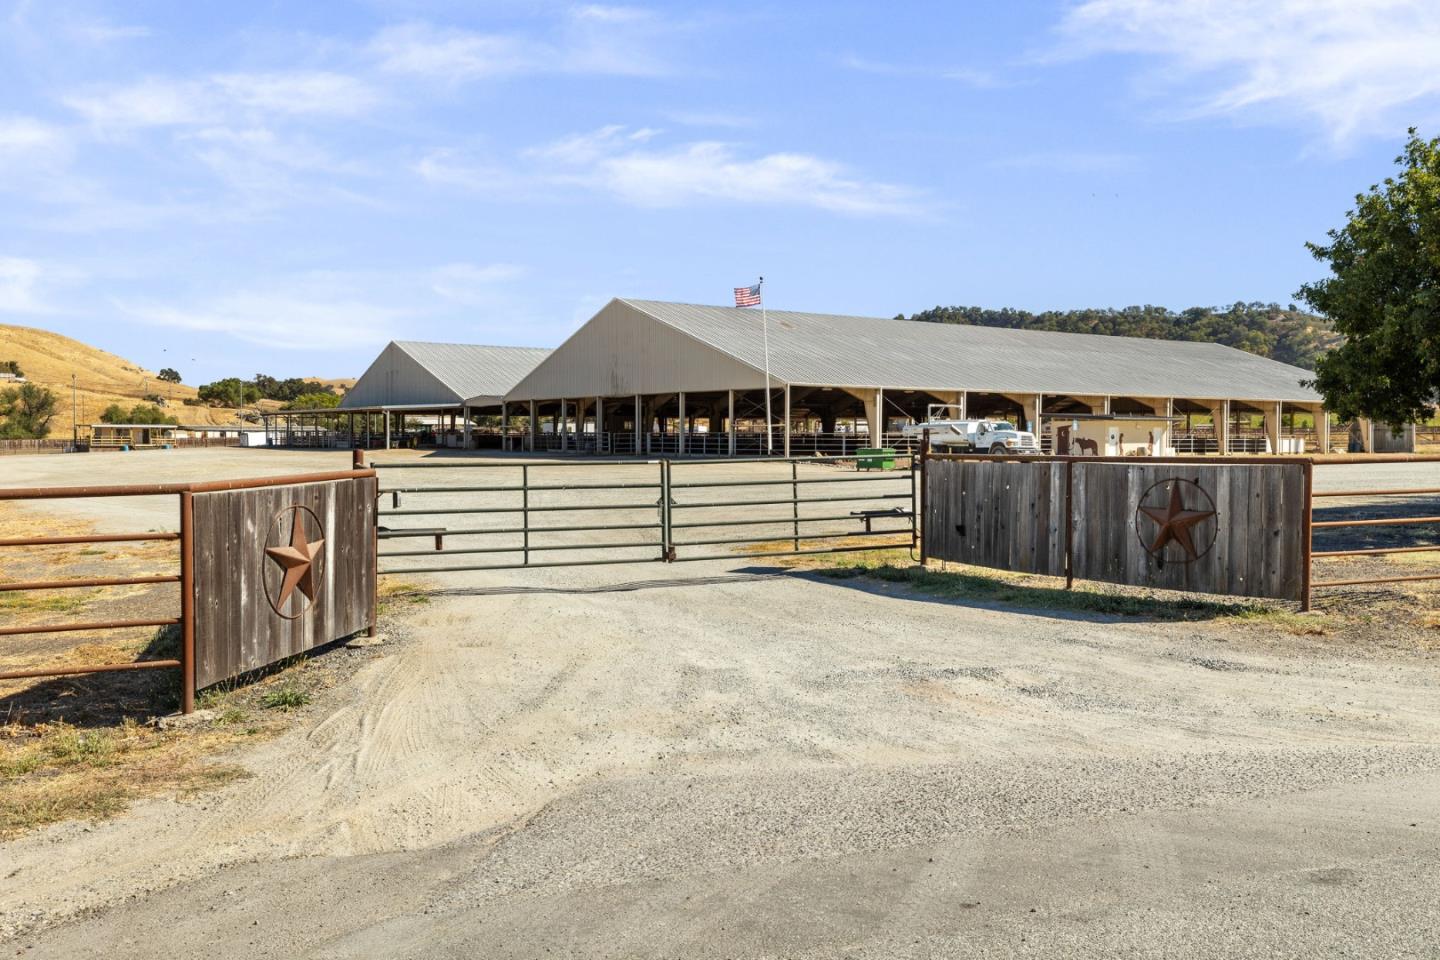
[787,420]
[730,420]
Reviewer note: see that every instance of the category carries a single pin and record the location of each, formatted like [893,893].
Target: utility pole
[74,414]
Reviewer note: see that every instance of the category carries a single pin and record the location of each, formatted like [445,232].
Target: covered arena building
[652,377]
[413,389]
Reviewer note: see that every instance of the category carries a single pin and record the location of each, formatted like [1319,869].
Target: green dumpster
[875,458]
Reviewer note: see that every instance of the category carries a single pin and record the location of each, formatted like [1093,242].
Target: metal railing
[184,618]
[1391,513]
[660,509]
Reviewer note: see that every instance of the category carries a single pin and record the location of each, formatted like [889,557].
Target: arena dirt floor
[750,758]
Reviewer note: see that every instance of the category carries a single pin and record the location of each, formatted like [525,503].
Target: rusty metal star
[1175,522]
[298,562]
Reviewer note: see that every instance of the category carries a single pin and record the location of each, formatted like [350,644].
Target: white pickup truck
[996,437]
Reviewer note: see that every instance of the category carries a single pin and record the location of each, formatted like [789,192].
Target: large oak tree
[1383,295]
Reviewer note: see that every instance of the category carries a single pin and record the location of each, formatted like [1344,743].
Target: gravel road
[725,759]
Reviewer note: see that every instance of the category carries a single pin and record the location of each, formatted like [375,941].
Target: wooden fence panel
[1233,528]
[1003,514]
[240,623]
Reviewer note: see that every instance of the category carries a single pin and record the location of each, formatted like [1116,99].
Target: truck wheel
[998,450]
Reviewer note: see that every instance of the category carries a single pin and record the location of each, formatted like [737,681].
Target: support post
[787,419]
[599,425]
[1274,425]
[680,425]
[730,419]
[1222,428]
[504,426]
[964,404]
[187,602]
[534,425]
[639,428]
[562,425]
[387,429]
[878,440]
[1039,408]
[1322,428]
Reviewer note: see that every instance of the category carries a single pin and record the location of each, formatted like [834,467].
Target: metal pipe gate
[653,511]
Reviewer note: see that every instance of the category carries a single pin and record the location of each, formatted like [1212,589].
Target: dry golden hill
[101,378]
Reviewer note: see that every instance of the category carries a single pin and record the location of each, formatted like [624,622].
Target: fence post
[917,496]
[525,512]
[795,503]
[667,546]
[1069,524]
[357,462]
[187,602]
[1307,536]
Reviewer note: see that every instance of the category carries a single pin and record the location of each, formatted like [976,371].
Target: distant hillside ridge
[101,379]
[1264,329]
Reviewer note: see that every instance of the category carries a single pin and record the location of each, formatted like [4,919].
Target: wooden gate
[1234,527]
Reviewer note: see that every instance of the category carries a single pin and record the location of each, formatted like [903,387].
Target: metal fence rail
[184,617]
[522,497]
[1409,520]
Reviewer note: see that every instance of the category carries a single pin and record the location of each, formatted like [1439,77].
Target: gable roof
[837,350]
[417,372]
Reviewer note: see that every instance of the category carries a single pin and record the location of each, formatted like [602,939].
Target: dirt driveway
[729,759]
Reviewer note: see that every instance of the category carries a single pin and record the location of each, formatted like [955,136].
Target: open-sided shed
[651,375]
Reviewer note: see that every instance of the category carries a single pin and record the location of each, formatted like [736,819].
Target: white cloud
[472,284]
[620,162]
[1355,67]
[169,102]
[339,310]
[622,41]
[25,284]
[21,135]
[452,54]
[317,320]
[972,76]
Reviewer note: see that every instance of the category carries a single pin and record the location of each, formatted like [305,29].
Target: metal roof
[457,373]
[844,351]
[475,371]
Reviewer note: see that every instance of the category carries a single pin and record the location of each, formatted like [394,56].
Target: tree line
[236,392]
[1265,329]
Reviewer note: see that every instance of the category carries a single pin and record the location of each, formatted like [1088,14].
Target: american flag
[747,296]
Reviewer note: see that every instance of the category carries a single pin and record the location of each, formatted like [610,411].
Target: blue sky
[280,187]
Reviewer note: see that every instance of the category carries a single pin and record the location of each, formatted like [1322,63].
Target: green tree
[1384,296]
[11,366]
[25,412]
[114,414]
[169,375]
[148,413]
[313,401]
[230,392]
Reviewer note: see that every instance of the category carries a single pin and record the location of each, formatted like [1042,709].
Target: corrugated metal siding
[834,350]
[414,372]
[623,351]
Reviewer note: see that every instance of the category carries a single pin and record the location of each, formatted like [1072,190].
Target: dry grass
[101,379]
[54,771]
[78,746]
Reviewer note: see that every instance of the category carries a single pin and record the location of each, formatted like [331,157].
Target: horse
[1086,445]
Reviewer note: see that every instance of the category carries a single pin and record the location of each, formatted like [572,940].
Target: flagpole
[765,332]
